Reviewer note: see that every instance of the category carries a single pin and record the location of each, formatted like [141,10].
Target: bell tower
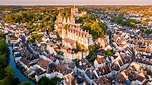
[72,19]
[59,17]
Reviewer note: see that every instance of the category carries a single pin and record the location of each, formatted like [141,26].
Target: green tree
[109,52]
[60,53]
[145,23]
[148,31]
[8,80]
[46,18]
[3,61]
[25,83]
[9,71]
[46,81]
[67,26]
[3,47]
[97,29]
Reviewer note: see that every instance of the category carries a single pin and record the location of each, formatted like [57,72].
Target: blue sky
[75,2]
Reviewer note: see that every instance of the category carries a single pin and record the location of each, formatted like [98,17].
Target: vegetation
[129,9]
[35,19]
[84,18]
[6,72]
[120,19]
[9,77]
[92,53]
[77,62]
[36,37]
[80,47]
[60,53]
[46,81]
[25,83]
[109,52]
[148,31]
[67,26]
[97,29]
[8,80]
[4,55]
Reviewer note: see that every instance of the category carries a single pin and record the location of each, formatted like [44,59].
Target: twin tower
[62,21]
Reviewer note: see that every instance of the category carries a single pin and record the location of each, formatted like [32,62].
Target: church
[61,22]
[73,35]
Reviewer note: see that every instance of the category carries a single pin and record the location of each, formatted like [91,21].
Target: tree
[3,61]
[47,81]
[109,52]
[8,80]
[97,29]
[79,20]
[3,47]
[25,83]
[148,31]
[144,23]
[77,62]
[2,35]
[80,47]
[132,24]
[46,18]
[9,71]
[60,53]
[67,26]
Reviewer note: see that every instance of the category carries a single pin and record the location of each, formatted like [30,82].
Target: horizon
[76,2]
[73,5]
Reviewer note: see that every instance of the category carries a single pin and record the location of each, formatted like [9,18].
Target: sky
[75,2]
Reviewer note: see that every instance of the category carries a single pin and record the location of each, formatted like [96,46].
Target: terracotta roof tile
[43,63]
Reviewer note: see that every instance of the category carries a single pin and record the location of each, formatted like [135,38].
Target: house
[25,63]
[101,42]
[141,78]
[146,50]
[14,40]
[43,63]
[50,47]
[74,80]
[83,66]
[89,76]
[57,71]
[98,82]
[100,61]
[69,55]
[136,66]
[39,74]
[69,79]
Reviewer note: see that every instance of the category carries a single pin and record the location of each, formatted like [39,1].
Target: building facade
[76,35]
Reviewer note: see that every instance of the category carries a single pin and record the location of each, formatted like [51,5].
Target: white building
[73,35]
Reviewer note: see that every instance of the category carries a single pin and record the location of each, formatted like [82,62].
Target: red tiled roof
[26,62]
[13,38]
[100,60]
[43,63]
[69,40]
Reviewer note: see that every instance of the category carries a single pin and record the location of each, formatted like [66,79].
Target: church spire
[59,17]
[59,13]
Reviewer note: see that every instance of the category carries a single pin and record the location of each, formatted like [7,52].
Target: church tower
[64,21]
[72,19]
[59,18]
